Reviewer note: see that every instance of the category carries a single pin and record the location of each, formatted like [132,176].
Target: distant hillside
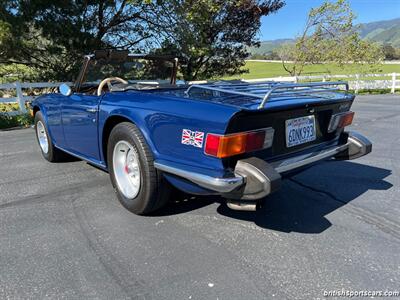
[381,31]
[269,46]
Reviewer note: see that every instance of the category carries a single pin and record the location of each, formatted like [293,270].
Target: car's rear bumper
[254,178]
[357,145]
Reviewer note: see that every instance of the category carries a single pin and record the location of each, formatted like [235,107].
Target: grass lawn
[268,69]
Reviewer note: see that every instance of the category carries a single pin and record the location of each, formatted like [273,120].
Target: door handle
[91,110]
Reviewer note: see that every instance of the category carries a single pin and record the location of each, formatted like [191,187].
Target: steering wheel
[108,82]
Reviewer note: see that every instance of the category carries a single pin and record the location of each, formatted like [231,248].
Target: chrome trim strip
[97,164]
[218,184]
[303,160]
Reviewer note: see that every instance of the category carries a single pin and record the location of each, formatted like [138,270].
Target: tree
[389,52]
[211,37]
[52,36]
[329,36]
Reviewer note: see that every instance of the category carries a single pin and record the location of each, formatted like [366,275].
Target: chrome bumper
[254,178]
[221,185]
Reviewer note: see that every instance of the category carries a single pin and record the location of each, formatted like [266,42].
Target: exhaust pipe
[241,205]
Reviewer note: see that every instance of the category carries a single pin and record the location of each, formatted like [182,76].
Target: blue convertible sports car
[229,138]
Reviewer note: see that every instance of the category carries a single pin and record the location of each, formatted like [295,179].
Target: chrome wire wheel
[126,167]
[42,137]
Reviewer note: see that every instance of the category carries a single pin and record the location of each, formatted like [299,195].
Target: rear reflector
[340,120]
[228,145]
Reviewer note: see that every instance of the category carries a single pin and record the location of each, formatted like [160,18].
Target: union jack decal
[192,138]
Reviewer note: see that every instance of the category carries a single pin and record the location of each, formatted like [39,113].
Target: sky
[289,20]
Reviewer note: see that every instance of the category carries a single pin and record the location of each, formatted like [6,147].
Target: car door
[79,118]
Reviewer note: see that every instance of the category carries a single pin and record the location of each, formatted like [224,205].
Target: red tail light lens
[228,145]
[340,121]
[346,120]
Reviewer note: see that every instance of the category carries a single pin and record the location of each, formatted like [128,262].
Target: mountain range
[385,32]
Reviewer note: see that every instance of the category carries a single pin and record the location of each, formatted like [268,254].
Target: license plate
[300,131]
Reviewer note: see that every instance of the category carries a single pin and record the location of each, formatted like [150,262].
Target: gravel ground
[336,226]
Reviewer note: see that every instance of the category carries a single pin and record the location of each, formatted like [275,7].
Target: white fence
[357,82]
[21,98]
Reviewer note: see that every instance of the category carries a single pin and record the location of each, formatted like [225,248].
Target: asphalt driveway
[63,233]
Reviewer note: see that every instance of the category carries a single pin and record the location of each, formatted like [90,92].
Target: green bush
[5,107]
[23,120]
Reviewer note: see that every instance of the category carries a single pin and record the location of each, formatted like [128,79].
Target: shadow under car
[303,201]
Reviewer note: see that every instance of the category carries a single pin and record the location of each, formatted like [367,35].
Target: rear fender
[163,134]
[162,121]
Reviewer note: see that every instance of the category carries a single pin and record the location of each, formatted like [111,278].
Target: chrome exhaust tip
[241,205]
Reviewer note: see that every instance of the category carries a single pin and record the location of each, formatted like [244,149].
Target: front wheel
[139,186]
[45,142]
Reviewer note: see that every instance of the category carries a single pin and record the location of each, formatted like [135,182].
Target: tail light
[340,120]
[232,144]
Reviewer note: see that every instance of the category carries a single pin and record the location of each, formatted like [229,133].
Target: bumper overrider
[254,178]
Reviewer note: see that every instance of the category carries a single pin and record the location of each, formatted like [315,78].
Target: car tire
[47,148]
[139,186]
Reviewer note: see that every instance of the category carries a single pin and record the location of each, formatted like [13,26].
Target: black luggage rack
[264,90]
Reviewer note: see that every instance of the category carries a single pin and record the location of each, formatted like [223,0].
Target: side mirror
[65,90]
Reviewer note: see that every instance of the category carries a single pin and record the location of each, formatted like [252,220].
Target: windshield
[138,69]
[131,68]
